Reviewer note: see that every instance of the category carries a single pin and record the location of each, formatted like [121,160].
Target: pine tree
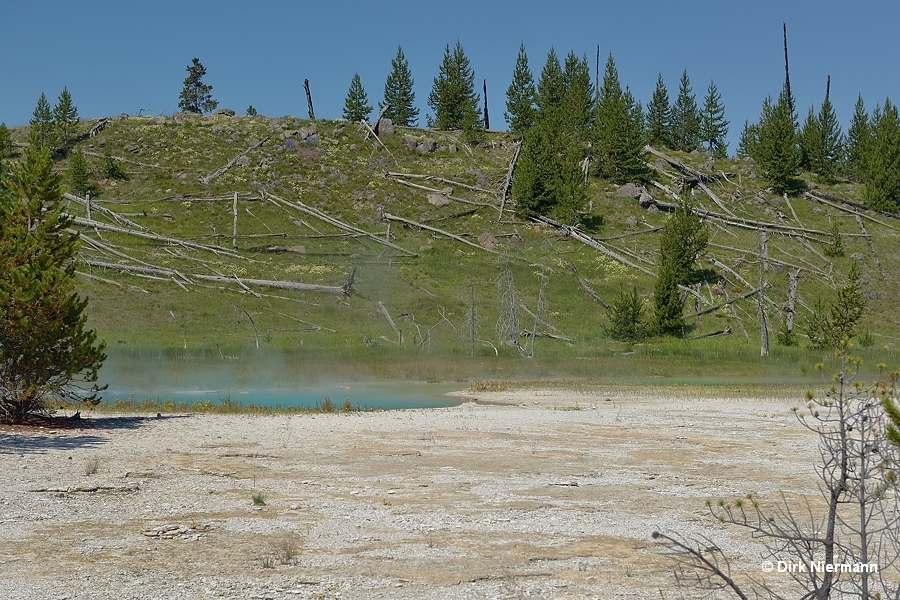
[776,152]
[79,176]
[578,99]
[533,187]
[748,140]
[684,240]
[659,116]
[570,187]
[65,117]
[551,88]
[859,140]
[399,94]
[821,141]
[196,96]
[41,123]
[713,126]
[618,130]
[685,118]
[47,354]
[6,143]
[356,105]
[520,96]
[883,165]
[453,96]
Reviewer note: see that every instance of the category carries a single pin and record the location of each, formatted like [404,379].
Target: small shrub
[251,111]
[286,550]
[92,466]
[836,248]
[327,405]
[865,339]
[346,406]
[111,167]
[259,499]
[785,336]
[626,315]
[267,561]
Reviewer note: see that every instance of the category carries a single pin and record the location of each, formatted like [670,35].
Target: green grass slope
[293,178]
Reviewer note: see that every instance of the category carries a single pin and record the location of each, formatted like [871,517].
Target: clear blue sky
[123,56]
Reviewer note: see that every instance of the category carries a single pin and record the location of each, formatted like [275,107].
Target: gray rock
[452,148]
[226,112]
[630,190]
[487,240]
[427,146]
[871,294]
[632,222]
[437,199]
[243,161]
[386,127]
[410,142]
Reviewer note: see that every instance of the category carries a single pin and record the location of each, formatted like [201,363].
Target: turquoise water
[372,396]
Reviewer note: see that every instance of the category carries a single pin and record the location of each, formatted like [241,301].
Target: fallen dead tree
[151,236]
[449,196]
[391,175]
[243,281]
[577,234]
[314,212]
[207,178]
[507,183]
[390,217]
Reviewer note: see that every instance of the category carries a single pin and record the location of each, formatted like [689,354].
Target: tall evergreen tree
[47,353]
[713,126]
[41,123]
[570,187]
[578,98]
[618,130]
[659,116]
[356,104]
[65,117]
[453,97]
[551,88]
[684,240]
[821,140]
[685,118]
[883,165]
[520,96]
[776,152]
[859,139]
[399,94]
[533,186]
[196,96]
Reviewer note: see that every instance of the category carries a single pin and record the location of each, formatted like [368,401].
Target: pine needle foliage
[883,165]
[399,94]
[47,353]
[520,96]
[65,118]
[713,125]
[659,116]
[41,123]
[776,150]
[196,96]
[356,104]
[685,118]
[453,97]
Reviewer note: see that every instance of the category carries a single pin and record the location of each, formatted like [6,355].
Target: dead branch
[435,190]
[372,131]
[387,316]
[104,280]
[577,234]
[380,116]
[297,205]
[441,179]
[151,236]
[252,322]
[710,309]
[507,183]
[133,162]
[862,228]
[726,331]
[104,210]
[592,293]
[391,217]
[856,205]
[207,178]
[700,176]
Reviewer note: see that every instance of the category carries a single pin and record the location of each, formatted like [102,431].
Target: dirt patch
[542,493]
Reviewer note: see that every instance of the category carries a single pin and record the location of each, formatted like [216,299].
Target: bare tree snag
[507,183]
[793,282]
[207,178]
[763,325]
[487,119]
[387,316]
[312,114]
[234,226]
[391,217]
[862,228]
[252,322]
[372,131]
[380,116]
[787,74]
[94,206]
[592,293]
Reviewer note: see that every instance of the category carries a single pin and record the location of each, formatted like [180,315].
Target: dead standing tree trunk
[312,113]
[763,325]
[487,119]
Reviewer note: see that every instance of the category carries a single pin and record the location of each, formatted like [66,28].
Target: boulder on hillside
[631,190]
[227,112]
[385,127]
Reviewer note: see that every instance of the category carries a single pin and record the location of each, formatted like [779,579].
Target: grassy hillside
[286,169]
